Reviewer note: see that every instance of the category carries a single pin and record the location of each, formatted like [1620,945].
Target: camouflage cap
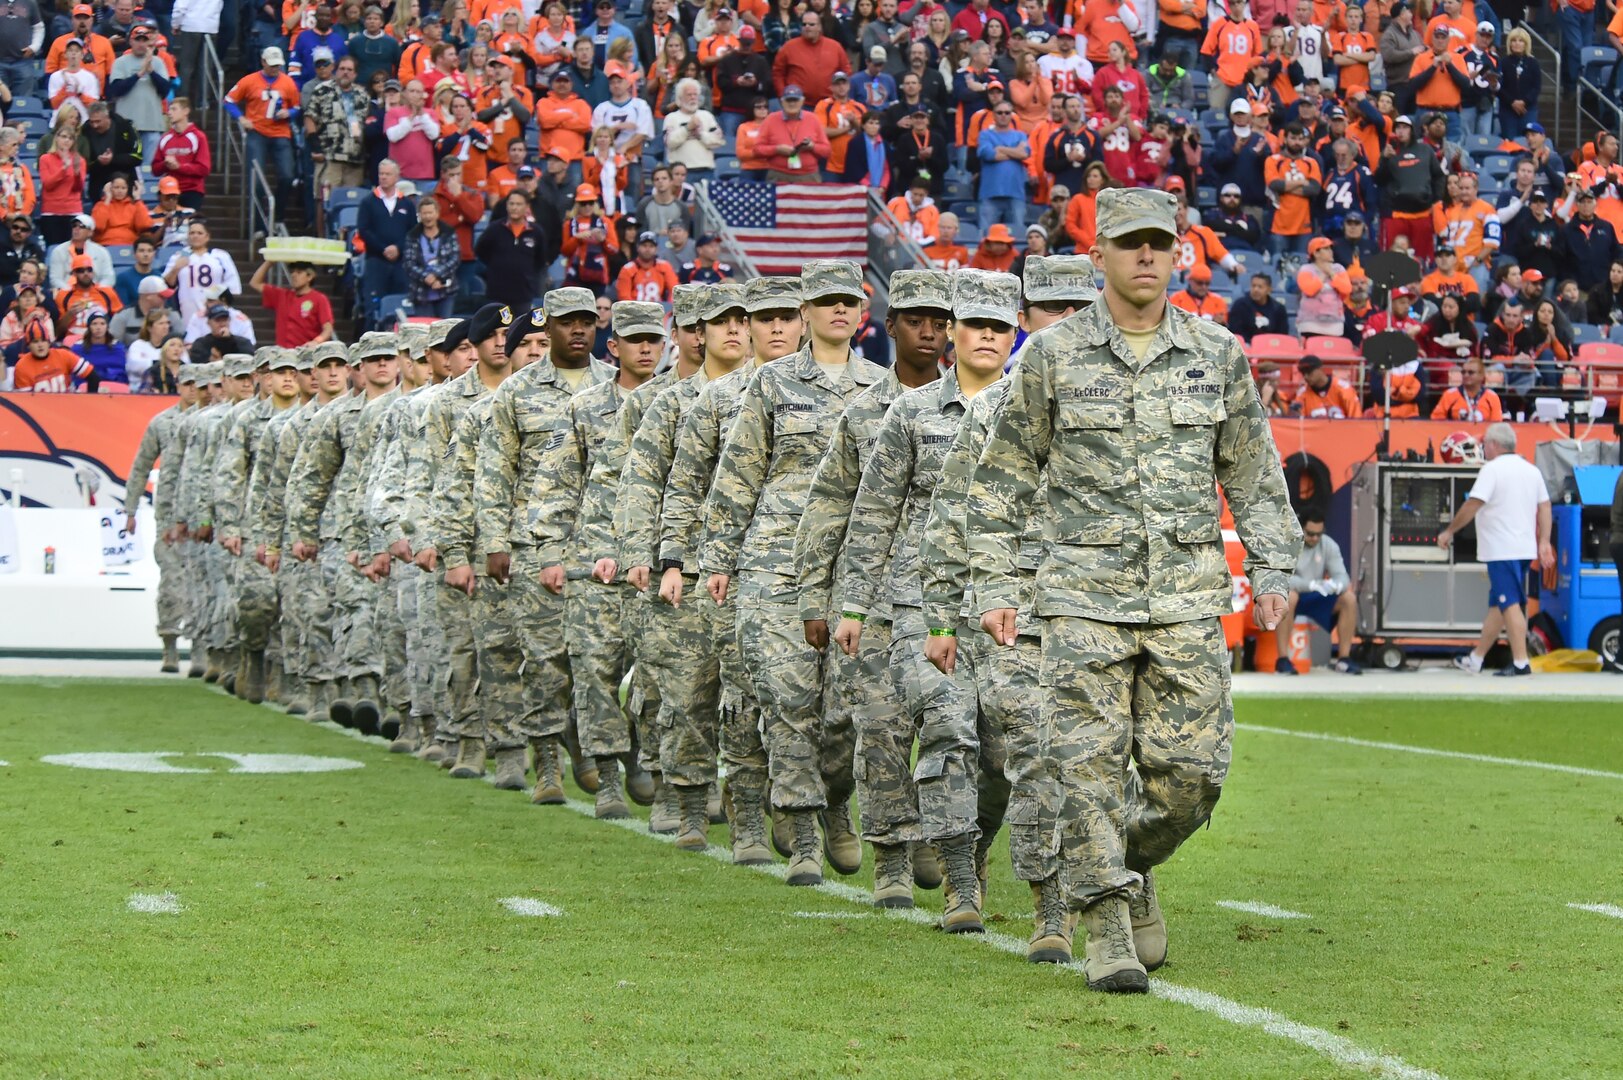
[920,289]
[188,373]
[264,355]
[439,330]
[570,301]
[329,350]
[830,277]
[282,358]
[723,297]
[1060,277]
[235,364]
[376,344]
[304,358]
[211,373]
[413,341]
[772,294]
[1124,210]
[687,302]
[986,294]
[636,318]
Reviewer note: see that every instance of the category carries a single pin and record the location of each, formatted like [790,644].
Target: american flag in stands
[780,226]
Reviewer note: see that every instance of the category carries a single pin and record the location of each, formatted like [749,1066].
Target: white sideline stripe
[1610,910]
[842,915]
[1341,1050]
[1459,755]
[1267,910]
[154,903]
[535,909]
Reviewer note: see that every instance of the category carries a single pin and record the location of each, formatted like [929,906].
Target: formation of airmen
[734,548]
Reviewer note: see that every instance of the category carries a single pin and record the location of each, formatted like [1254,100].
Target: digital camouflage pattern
[986,294]
[1060,277]
[760,294]
[830,277]
[1125,210]
[686,303]
[159,443]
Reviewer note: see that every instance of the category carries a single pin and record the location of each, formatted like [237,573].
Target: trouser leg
[501,662]
[944,707]
[743,746]
[598,660]
[356,599]
[882,759]
[541,617]
[460,616]
[788,678]
[690,715]
[171,578]
[1012,706]
[256,603]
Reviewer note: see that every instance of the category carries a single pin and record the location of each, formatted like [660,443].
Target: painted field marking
[1337,1048]
[535,909]
[841,915]
[1609,910]
[166,903]
[1459,755]
[155,762]
[5,764]
[1267,910]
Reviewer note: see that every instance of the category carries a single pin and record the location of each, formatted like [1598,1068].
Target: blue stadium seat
[969,232]
[1489,186]
[1205,196]
[1201,82]
[1498,165]
[1481,145]
[1596,63]
[26,104]
[1584,333]
[389,306]
[345,196]
[956,190]
[122,253]
[345,221]
[1251,262]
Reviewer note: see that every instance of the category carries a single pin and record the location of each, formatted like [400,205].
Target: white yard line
[1267,910]
[1458,755]
[535,909]
[1341,1050]
[154,903]
[842,915]
[1609,910]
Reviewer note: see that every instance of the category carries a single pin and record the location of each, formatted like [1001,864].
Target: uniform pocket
[1089,415]
[1198,411]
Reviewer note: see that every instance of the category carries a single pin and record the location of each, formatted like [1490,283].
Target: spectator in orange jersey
[1234,42]
[1405,386]
[916,212]
[263,103]
[1322,396]
[1449,280]
[750,160]
[1080,213]
[1439,80]
[1324,285]
[565,121]
[947,253]
[44,369]
[1472,401]
[1296,182]
[1102,22]
[98,49]
[996,250]
[1352,50]
[505,107]
[120,219]
[647,277]
[1197,298]
[17,191]
[1198,245]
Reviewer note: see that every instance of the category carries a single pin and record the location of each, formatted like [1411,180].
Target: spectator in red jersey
[810,60]
[183,153]
[974,19]
[793,143]
[303,315]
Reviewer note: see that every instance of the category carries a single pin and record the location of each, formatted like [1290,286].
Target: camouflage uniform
[862,685]
[158,443]
[197,509]
[287,643]
[716,704]
[518,507]
[599,614]
[1134,576]
[188,434]
[786,415]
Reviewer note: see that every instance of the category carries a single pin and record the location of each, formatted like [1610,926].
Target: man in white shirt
[1319,590]
[1511,506]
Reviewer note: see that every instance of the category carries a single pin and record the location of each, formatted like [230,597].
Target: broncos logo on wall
[71,450]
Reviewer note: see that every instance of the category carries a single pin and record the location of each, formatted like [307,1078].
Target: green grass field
[350,924]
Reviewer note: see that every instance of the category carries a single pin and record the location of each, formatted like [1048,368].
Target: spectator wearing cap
[98,50]
[193,23]
[1356,242]
[841,118]
[79,242]
[1323,396]
[83,296]
[45,368]
[28,305]
[182,158]
[792,141]
[1324,285]
[1402,42]
[717,36]
[742,77]
[1229,220]
[101,350]
[706,267]
[565,120]
[873,87]
[218,341]
[1448,279]
[1479,103]
[1240,155]
[506,106]
[309,44]
[148,295]
[996,250]
[385,217]
[1003,150]
[17,191]
[303,314]
[22,36]
[692,134]
[1438,80]
[120,219]
[412,130]
[1590,241]
[1451,15]
[647,277]
[810,60]
[603,31]
[1521,81]
[20,244]
[515,252]
[417,57]
[264,103]
[1410,178]
[73,83]
[373,48]
[170,219]
[629,117]
[119,20]
[141,82]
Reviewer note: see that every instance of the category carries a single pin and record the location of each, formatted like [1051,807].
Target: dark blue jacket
[1242,164]
[1520,79]
[381,229]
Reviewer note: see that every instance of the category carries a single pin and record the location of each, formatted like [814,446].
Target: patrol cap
[413,341]
[264,355]
[687,302]
[1125,210]
[304,358]
[637,318]
[283,358]
[235,364]
[376,344]
[572,300]
[329,350]
[1060,277]
[526,326]
[209,374]
[438,331]
[772,294]
[727,296]
[911,289]
[830,277]
[187,374]
[489,321]
[986,294]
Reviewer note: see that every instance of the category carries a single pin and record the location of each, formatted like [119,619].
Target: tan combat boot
[926,865]
[749,826]
[452,750]
[367,713]
[840,842]
[892,876]
[666,814]
[509,769]
[640,783]
[406,741]
[713,810]
[295,696]
[199,662]
[253,680]
[470,759]
[611,804]
[171,656]
[428,747]
[1149,925]
[215,665]
[581,767]
[962,914]
[691,832]
[273,680]
[1109,961]
[1051,939]
[783,833]
[806,855]
[549,778]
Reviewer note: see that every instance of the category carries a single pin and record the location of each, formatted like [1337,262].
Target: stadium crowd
[491,150]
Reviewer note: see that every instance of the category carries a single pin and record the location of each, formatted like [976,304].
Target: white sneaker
[1470,662]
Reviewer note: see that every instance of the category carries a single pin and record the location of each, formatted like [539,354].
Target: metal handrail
[743,268]
[226,137]
[260,205]
[883,226]
[1554,51]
